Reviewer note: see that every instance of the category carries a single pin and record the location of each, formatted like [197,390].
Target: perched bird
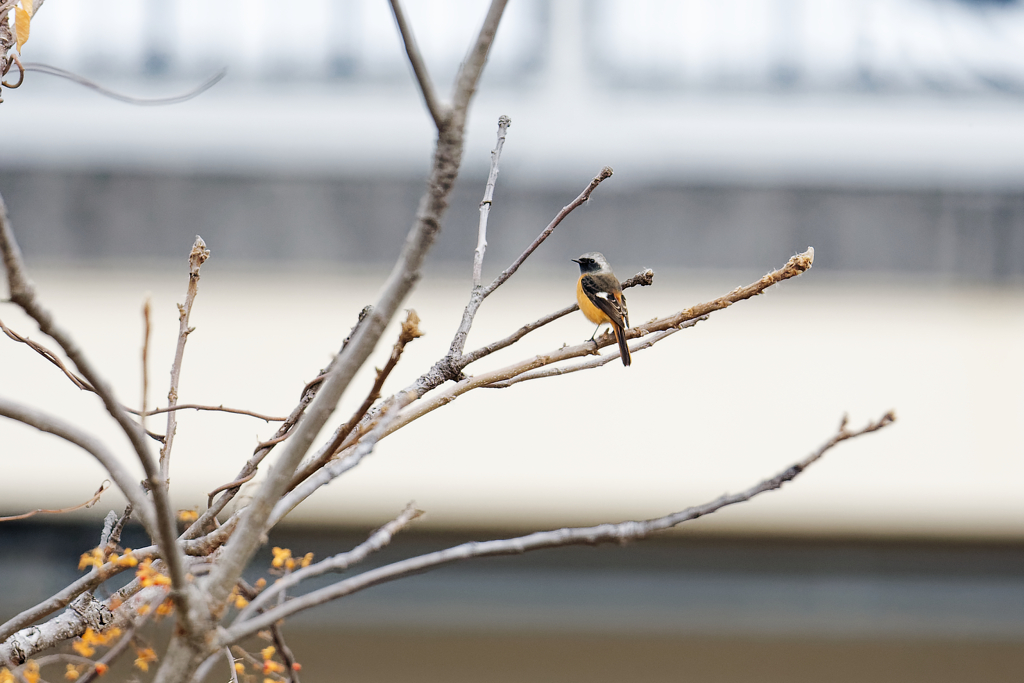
[600,297]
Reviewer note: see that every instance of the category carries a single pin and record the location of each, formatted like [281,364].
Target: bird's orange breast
[593,313]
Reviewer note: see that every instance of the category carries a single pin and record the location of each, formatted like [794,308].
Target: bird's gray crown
[592,261]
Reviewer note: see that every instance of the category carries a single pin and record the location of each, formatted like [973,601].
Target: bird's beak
[576,261]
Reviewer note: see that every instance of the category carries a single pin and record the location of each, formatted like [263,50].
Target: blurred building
[891,126]
[888,134]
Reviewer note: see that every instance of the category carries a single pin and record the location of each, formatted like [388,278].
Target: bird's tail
[620,336]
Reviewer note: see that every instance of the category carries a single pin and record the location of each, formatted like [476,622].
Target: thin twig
[405,273]
[85,386]
[338,563]
[196,258]
[286,653]
[583,197]
[410,331]
[250,468]
[439,111]
[451,365]
[644,278]
[220,409]
[390,411]
[146,330]
[646,342]
[50,424]
[159,517]
[485,205]
[795,266]
[87,504]
[48,355]
[129,99]
[605,533]
[231,664]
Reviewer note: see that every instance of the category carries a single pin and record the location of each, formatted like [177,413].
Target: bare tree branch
[146,334]
[438,110]
[410,331]
[181,660]
[48,355]
[121,97]
[469,73]
[338,563]
[389,412]
[218,409]
[50,424]
[85,386]
[249,469]
[646,342]
[795,266]
[196,258]
[644,278]
[450,367]
[485,204]
[583,197]
[605,533]
[22,293]
[87,504]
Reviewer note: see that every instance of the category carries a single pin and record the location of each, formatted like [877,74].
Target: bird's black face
[587,264]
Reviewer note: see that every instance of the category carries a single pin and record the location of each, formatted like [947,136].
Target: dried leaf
[29,6]
[21,22]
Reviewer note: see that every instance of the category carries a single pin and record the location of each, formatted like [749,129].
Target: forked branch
[604,533]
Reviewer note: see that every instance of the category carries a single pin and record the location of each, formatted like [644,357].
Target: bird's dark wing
[604,291]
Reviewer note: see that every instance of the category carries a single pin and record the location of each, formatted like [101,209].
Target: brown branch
[277,633]
[410,331]
[196,258]
[605,533]
[85,386]
[48,355]
[125,481]
[646,342]
[220,408]
[262,450]
[87,504]
[797,264]
[485,204]
[451,365]
[375,431]
[146,333]
[583,197]
[644,278]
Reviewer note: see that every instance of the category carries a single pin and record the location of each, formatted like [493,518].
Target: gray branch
[338,563]
[182,658]
[485,204]
[50,424]
[604,533]
[23,294]
[439,111]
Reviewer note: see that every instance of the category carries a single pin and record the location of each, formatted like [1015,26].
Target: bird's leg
[595,333]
